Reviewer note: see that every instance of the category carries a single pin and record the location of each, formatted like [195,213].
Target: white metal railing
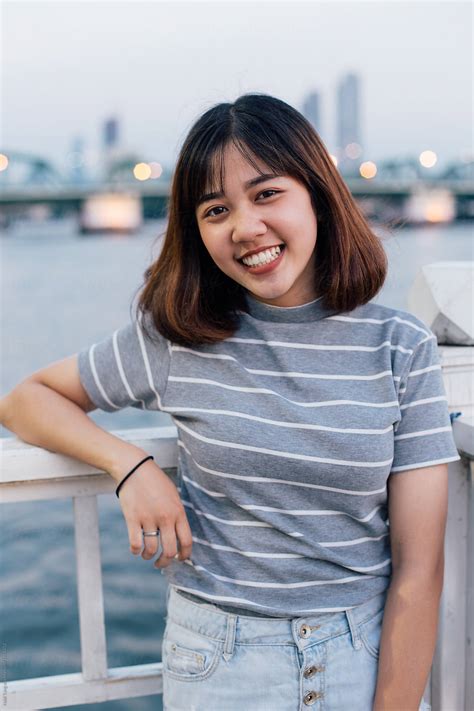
[452,675]
[30,473]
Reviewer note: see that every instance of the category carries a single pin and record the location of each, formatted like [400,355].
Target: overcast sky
[158,65]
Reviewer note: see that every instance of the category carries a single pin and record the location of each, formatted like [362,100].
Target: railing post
[448,677]
[470,592]
[440,296]
[29,473]
[89,588]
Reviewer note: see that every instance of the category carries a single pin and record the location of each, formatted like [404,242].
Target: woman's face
[250,218]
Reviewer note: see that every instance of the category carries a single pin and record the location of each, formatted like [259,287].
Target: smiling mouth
[261,264]
[263,267]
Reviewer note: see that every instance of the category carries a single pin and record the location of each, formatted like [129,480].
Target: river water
[60,293]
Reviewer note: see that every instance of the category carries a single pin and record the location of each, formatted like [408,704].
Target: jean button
[311,697]
[311,671]
[305,631]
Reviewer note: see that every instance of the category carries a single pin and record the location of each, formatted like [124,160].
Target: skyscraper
[77,161]
[312,110]
[349,140]
[111,132]
[111,148]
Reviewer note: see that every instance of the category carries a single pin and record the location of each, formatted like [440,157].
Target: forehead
[236,159]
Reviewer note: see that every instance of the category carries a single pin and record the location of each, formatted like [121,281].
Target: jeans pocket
[370,632]
[187,655]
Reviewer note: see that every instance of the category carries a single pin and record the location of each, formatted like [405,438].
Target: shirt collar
[311,311]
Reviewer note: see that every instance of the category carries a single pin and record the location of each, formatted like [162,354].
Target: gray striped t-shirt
[287,433]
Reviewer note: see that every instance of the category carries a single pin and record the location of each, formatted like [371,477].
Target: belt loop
[356,641]
[230,636]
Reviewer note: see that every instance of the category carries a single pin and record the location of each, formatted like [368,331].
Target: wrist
[124,459]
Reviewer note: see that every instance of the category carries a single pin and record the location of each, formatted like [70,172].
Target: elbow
[7,408]
[12,405]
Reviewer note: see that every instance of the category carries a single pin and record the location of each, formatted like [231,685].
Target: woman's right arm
[49,409]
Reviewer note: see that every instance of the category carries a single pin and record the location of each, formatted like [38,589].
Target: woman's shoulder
[400,325]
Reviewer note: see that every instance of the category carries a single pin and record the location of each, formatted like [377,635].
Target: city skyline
[58,88]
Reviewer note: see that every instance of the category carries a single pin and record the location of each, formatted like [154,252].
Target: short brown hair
[190,300]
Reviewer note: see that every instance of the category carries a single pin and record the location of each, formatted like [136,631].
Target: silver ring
[152,533]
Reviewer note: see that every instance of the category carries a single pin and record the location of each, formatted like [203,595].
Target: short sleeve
[126,369]
[423,436]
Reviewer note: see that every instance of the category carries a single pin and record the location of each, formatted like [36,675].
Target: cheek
[211,246]
[221,254]
[301,240]
[298,224]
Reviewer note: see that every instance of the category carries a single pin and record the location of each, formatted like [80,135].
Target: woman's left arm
[417,506]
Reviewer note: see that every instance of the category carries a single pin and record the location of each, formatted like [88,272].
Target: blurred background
[97,98]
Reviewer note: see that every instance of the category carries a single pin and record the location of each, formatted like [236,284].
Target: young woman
[303,545]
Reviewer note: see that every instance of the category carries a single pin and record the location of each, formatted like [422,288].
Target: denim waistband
[241,611]
[225,608]
[211,621]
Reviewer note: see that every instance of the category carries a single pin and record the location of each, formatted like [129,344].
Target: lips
[264,268]
[262,249]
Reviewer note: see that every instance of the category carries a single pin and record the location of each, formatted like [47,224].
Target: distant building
[110,144]
[111,132]
[77,172]
[349,140]
[312,110]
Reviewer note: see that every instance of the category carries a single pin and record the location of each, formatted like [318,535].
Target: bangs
[208,171]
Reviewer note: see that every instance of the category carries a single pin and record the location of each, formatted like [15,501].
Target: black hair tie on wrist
[131,472]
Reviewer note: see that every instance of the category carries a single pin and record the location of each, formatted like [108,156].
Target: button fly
[311,697]
[305,630]
[311,671]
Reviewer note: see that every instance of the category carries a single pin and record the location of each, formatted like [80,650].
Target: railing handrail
[23,462]
[30,473]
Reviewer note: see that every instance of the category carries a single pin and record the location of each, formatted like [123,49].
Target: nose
[247,226]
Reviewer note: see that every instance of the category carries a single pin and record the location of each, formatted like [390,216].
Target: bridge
[31,180]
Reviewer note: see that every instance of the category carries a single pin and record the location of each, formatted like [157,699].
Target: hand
[150,500]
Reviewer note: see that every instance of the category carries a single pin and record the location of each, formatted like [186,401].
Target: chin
[270,297]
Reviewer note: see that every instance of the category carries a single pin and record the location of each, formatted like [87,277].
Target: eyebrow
[249,184]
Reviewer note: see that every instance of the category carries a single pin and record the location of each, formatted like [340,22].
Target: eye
[219,207]
[269,191]
[208,214]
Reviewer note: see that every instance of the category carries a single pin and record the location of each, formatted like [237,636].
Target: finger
[185,538]
[135,537]
[150,543]
[169,545]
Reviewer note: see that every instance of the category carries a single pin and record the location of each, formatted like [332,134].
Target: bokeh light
[156,170]
[353,150]
[428,159]
[368,169]
[142,171]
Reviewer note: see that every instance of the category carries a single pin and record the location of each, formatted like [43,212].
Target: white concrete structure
[442,295]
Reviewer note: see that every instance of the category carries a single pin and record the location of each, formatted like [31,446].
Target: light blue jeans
[217,661]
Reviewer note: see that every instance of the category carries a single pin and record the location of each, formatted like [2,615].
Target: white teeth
[264,257]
